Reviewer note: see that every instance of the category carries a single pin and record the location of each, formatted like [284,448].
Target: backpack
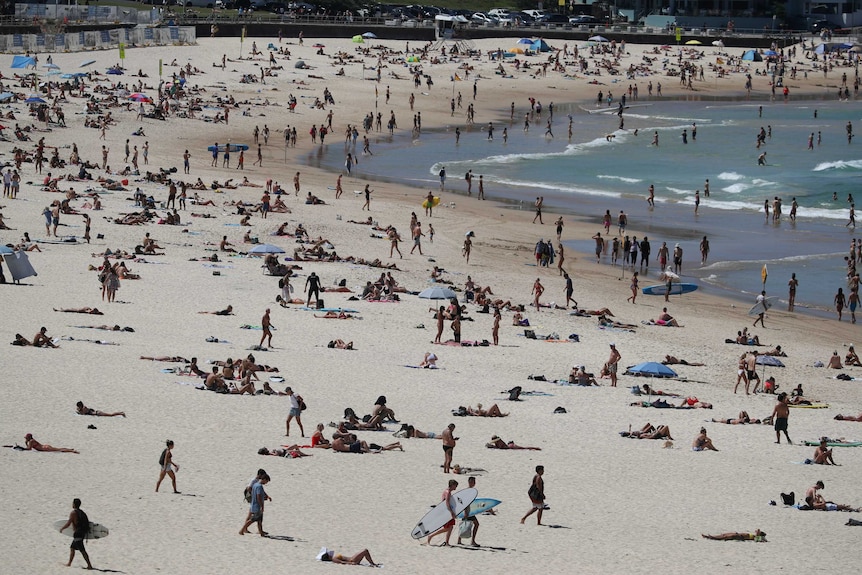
[302,405]
[162,457]
[514,393]
[281,283]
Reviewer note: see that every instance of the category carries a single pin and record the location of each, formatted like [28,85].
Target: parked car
[584,20]
[553,19]
[498,13]
[536,14]
[522,18]
[482,18]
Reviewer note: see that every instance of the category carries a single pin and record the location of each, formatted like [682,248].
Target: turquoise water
[591,174]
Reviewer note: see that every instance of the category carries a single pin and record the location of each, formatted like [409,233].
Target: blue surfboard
[233,147]
[675,289]
[479,505]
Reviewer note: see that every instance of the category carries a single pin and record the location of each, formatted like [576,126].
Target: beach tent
[23,62]
[527,41]
[437,293]
[17,262]
[358,39]
[651,369]
[832,47]
[265,249]
[752,56]
[540,46]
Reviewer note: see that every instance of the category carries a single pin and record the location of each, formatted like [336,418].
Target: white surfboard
[762,306]
[97,530]
[440,515]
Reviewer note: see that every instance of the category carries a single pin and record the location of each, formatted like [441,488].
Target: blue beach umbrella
[265,249]
[651,369]
[437,293]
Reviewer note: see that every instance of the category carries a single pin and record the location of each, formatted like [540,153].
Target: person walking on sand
[296,404]
[266,326]
[448,446]
[296,185]
[367,203]
[449,500]
[167,466]
[779,416]
[760,299]
[255,510]
[80,524]
[417,238]
[537,495]
[570,289]
[613,362]
[791,286]
[539,201]
[472,520]
[634,288]
[468,247]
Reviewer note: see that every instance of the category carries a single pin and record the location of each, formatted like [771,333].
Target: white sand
[620,504]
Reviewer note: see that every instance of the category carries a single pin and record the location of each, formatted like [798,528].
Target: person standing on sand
[468,246]
[539,201]
[266,325]
[448,446]
[495,330]
[80,524]
[538,290]
[537,495]
[367,203]
[296,404]
[296,185]
[166,462]
[312,284]
[779,415]
[570,289]
[481,195]
[255,510]
[634,288]
[450,504]
[839,302]
[561,258]
[613,362]
[761,298]
[441,317]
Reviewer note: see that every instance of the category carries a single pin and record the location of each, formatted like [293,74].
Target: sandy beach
[615,504]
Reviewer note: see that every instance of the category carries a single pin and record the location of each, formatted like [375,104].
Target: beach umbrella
[74,75]
[86,63]
[18,263]
[51,66]
[369,35]
[6,96]
[138,97]
[437,293]
[266,249]
[358,39]
[767,360]
[718,43]
[693,43]
[34,100]
[23,62]
[770,53]
[54,73]
[597,39]
[651,369]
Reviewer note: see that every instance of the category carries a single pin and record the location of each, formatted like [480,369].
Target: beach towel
[423,367]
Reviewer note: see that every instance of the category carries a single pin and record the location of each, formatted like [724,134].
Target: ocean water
[591,173]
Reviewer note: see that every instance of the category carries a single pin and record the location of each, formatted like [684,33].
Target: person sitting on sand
[226,311]
[702,442]
[649,432]
[193,369]
[851,358]
[328,555]
[21,340]
[519,320]
[493,411]
[89,310]
[823,455]
[742,419]
[758,536]
[814,500]
[339,344]
[84,410]
[497,443]
[317,439]
[41,339]
[246,386]
[30,443]
[840,417]
[665,318]
[429,361]
[743,338]
[834,361]
[579,376]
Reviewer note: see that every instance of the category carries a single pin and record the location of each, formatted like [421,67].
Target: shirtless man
[225,245]
[665,318]
[497,443]
[227,311]
[30,443]
[267,329]
[613,360]
[41,339]
[823,455]
[448,446]
[214,381]
[84,410]
[779,415]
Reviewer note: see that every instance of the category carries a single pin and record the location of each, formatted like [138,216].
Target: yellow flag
[763,274]
[122,51]
[678,34]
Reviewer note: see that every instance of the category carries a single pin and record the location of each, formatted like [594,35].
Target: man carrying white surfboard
[450,504]
[80,524]
[761,301]
[470,523]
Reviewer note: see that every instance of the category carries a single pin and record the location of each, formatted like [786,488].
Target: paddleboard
[835,443]
[675,289]
[439,515]
[426,204]
[812,406]
[479,505]
[762,306]
[97,530]
[233,147]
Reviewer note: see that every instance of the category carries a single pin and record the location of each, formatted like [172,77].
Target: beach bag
[465,529]
[515,393]
[302,406]
[534,493]
[281,283]
[246,494]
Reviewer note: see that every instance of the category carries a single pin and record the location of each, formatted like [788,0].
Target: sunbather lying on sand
[840,417]
[649,432]
[671,360]
[497,443]
[758,536]
[493,411]
[89,310]
[84,410]
[742,419]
